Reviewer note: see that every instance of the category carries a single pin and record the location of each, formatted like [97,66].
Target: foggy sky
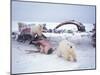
[42,12]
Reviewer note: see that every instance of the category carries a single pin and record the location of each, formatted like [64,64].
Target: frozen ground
[23,62]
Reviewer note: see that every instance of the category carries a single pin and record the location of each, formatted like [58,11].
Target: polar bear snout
[70,46]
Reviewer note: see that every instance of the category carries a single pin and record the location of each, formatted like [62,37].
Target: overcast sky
[43,12]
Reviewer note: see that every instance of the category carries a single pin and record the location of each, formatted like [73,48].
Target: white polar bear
[37,29]
[33,28]
[66,50]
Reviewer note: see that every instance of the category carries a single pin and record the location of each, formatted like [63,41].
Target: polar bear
[66,50]
[28,31]
[31,28]
[37,29]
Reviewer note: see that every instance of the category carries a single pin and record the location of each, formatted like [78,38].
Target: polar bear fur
[66,50]
[34,29]
[38,29]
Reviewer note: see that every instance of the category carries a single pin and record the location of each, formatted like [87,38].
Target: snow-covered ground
[24,61]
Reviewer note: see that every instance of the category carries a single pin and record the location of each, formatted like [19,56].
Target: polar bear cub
[66,50]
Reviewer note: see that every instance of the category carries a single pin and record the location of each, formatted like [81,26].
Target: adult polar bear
[31,28]
[66,50]
[29,31]
[37,29]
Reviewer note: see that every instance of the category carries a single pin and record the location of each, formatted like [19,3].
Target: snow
[23,62]
[26,61]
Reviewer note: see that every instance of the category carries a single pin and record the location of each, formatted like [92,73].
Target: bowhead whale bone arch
[79,25]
